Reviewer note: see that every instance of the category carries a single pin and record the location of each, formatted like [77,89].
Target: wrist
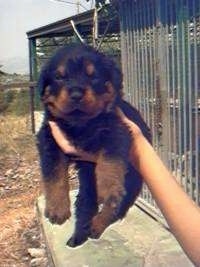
[137,147]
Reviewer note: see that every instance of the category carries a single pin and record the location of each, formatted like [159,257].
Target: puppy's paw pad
[57,216]
[94,234]
[97,227]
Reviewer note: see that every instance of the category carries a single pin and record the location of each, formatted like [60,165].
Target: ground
[19,189]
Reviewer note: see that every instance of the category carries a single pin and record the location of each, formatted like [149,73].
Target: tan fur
[109,96]
[110,175]
[56,104]
[57,195]
[61,70]
[91,103]
[90,68]
[95,103]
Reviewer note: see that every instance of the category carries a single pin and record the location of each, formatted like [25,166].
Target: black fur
[105,131]
[86,203]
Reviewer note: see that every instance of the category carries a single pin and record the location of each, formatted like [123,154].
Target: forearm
[182,215]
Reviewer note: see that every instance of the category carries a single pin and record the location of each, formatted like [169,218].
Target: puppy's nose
[76,95]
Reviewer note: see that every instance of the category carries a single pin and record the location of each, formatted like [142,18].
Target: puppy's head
[78,83]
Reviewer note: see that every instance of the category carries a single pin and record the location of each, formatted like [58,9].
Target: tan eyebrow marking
[89,66]
[61,70]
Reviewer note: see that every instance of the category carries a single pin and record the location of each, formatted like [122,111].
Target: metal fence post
[32,69]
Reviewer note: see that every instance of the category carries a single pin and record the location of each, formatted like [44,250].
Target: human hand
[134,128]
[65,145]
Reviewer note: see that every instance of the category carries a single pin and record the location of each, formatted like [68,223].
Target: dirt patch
[19,189]
[21,241]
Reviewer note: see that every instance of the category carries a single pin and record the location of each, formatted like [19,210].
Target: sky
[19,16]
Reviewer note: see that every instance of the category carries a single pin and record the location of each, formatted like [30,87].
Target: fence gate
[161,66]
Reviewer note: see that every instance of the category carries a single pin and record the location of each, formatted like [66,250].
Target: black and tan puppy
[80,89]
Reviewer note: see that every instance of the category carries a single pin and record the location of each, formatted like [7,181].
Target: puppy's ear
[115,75]
[44,97]
[117,80]
[42,81]
[110,88]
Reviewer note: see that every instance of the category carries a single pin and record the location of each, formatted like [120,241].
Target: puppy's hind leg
[110,175]
[86,204]
[133,185]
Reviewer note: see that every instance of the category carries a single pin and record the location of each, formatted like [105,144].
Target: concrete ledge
[137,241]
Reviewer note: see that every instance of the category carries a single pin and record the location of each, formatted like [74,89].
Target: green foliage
[100,2]
[47,46]
[14,102]
[3,104]
[5,99]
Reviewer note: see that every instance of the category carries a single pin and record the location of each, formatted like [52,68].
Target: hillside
[15,65]
[6,78]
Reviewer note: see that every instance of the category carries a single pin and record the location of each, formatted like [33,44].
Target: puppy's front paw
[57,214]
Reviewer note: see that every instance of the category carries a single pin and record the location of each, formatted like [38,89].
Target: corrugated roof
[83,22]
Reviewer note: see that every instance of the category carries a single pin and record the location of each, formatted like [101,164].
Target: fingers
[121,114]
[133,127]
[67,147]
[61,139]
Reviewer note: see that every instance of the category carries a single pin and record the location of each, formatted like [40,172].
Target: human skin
[180,212]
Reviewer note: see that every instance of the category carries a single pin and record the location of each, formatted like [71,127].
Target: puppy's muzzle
[76,94]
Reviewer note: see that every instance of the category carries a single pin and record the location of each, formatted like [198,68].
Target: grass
[16,136]
[19,188]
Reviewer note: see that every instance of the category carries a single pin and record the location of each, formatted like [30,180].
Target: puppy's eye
[95,81]
[58,77]
[99,86]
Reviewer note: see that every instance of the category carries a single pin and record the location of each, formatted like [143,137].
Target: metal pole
[32,93]
[32,76]
[196,109]
[95,27]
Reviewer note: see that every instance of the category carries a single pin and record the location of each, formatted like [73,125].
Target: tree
[101,3]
